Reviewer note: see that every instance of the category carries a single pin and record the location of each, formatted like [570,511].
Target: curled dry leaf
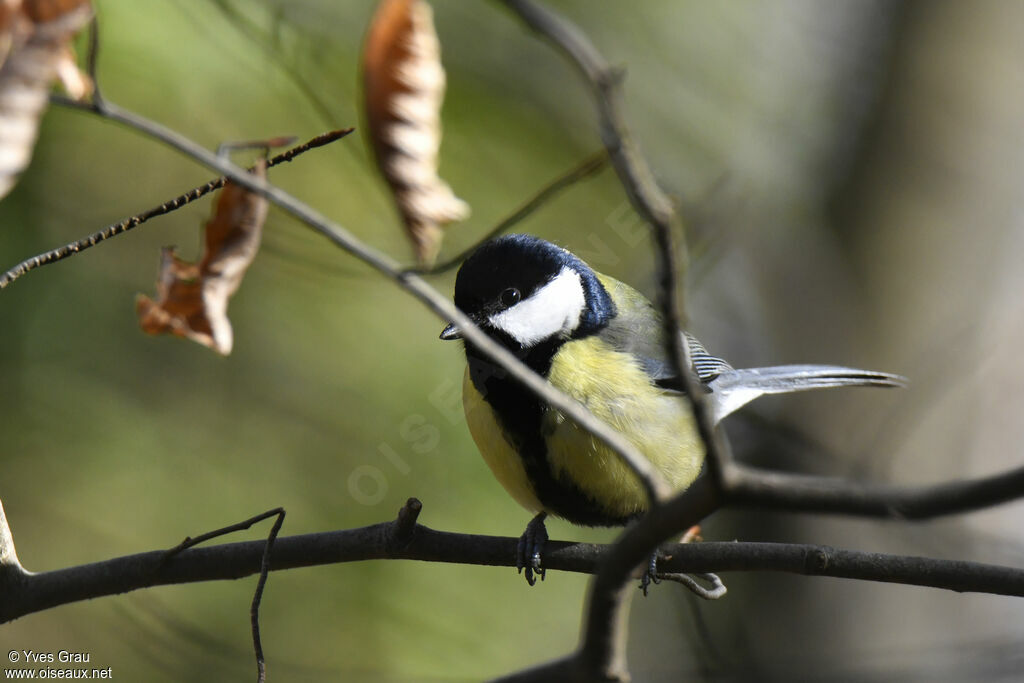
[403,87]
[35,50]
[192,298]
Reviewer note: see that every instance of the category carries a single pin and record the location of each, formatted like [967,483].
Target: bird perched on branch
[602,343]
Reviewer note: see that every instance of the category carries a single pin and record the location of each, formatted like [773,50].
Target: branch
[437,303]
[601,652]
[254,606]
[746,486]
[78,246]
[604,631]
[405,539]
[257,597]
[9,564]
[589,167]
[603,649]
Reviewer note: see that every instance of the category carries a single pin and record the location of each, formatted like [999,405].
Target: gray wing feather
[637,330]
[734,389]
[705,365]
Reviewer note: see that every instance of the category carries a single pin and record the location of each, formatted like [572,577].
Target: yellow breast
[659,424]
[498,453]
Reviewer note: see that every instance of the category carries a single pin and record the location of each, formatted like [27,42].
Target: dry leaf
[403,83]
[192,298]
[35,37]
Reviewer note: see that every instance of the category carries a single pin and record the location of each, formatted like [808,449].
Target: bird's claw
[650,575]
[531,548]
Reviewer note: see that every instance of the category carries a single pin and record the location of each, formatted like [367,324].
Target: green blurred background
[851,175]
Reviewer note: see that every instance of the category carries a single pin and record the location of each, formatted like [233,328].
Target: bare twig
[589,167]
[190,542]
[714,591]
[264,570]
[652,482]
[257,597]
[78,246]
[406,539]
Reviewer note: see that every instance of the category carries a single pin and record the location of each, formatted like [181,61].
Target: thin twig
[78,246]
[715,591]
[651,480]
[254,607]
[590,166]
[261,583]
[190,542]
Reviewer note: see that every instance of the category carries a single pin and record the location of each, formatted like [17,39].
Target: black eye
[510,297]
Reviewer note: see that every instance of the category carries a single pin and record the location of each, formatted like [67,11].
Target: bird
[601,342]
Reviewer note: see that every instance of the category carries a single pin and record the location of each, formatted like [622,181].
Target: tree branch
[601,654]
[589,167]
[436,302]
[78,246]
[405,539]
[603,648]
[9,564]
[749,487]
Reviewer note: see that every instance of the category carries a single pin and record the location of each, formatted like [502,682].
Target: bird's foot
[531,548]
[714,588]
[650,575]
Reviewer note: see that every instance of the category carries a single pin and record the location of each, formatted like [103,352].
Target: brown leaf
[192,298]
[35,37]
[403,88]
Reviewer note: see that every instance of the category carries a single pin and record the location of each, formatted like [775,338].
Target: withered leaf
[35,37]
[403,88]
[192,298]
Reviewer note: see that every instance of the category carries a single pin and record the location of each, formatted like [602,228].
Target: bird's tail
[735,388]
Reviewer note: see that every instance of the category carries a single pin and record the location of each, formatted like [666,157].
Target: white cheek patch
[554,309]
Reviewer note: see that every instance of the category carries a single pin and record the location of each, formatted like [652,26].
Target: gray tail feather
[733,389]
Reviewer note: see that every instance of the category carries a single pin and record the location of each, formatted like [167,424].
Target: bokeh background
[851,175]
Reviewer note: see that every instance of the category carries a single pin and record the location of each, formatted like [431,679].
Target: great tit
[601,342]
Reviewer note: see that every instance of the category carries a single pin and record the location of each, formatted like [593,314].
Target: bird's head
[524,291]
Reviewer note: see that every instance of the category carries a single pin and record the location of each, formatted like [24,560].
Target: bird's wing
[637,329]
[734,389]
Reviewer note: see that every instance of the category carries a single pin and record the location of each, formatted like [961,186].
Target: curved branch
[749,487]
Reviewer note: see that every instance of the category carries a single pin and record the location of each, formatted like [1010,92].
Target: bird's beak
[451,333]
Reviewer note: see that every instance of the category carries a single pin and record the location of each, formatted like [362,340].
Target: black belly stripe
[520,414]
